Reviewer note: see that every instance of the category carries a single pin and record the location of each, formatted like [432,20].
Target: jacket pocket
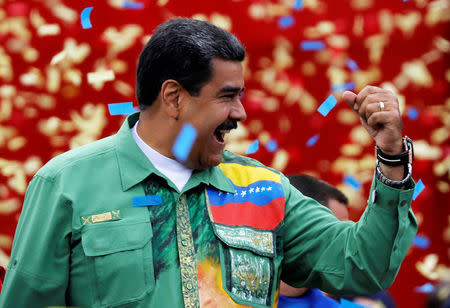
[247,262]
[122,259]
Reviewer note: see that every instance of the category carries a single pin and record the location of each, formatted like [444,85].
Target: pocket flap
[261,242]
[117,236]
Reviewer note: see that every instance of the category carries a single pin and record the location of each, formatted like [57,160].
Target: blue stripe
[259,193]
[147,200]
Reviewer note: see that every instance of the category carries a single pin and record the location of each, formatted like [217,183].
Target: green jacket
[81,242]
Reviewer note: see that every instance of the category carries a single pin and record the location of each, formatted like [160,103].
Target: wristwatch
[405,158]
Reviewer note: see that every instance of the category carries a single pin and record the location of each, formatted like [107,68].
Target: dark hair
[182,49]
[317,189]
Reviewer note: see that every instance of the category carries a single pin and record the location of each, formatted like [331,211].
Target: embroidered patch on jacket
[251,277]
[261,242]
[248,205]
[92,219]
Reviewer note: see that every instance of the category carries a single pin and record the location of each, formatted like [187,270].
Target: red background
[415,34]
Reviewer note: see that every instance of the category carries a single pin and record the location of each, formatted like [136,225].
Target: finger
[378,118]
[373,100]
[364,93]
[349,97]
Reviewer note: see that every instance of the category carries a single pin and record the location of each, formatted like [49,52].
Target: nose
[237,111]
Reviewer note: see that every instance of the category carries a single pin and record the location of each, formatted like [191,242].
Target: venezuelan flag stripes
[258,201]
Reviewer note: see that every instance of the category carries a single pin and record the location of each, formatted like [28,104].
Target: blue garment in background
[313,298]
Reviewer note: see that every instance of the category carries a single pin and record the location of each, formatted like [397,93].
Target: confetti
[133,5]
[413,113]
[312,141]
[252,147]
[272,145]
[286,21]
[312,45]
[147,200]
[327,105]
[121,108]
[425,288]
[352,181]
[348,304]
[85,21]
[351,64]
[183,144]
[298,5]
[418,189]
[421,242]
[343,86]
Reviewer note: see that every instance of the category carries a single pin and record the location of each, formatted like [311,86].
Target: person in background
[337,202]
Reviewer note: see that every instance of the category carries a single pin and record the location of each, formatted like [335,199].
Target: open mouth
[220,134]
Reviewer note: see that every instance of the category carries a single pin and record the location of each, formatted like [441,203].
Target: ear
[170,97]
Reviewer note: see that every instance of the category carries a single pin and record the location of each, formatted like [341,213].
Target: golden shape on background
[49,29]
[99,77]
[438,11]
[282,57]
[89,123]
[407,23]
[284,124]
[17,27]
[9,206]
[347,117]
[280,160]
[221,21]
[337,75]
[123,88]
[119,41]
[5,241]
[431,269]
[439,135]
[264,137]
[270,104]
[6,132]
[53,79]
[443,187]
[338,41]
[423,150]
[386,21]
[359,5]
[73,76]
[6,71]
[30,54]
[308,68]
[442,44]
[363,78]
[359,135]
[350,149]
[5,110]
[355,197]
[36,19]
[32,165]
[33,77]
[417,73]
[4,259]
[255,126]
[376,43]
[16,143]
[16,175]
[442,167]
[323,28]
[237,140]
[358,25]
[62,11]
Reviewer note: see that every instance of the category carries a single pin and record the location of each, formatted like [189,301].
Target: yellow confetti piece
[351,150]
[16,143]
[58,57]
[9,206]
[423,150]
[407,23]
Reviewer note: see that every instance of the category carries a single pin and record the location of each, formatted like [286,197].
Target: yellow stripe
[243,176]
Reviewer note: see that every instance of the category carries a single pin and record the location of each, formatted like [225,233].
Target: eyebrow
[229,89]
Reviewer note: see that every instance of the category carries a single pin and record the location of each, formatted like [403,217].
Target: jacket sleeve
[37,274]
[343,257]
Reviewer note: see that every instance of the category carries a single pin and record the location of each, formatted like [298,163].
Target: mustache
[228,125]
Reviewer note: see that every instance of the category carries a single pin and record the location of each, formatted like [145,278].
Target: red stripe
[261,217]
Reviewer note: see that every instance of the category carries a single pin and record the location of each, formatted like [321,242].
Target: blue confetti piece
[426,288]
[418,189]
[421,242]
[298,5]
[133,5]
[352,65]
[85,18]
[272,145]
[348,304]
[253,147]
[352,181]
[327,105]
[312,141]
[121,108]
[343,86]
[286,21]
[183,144]
[312,45]
[413,113]
[147,200]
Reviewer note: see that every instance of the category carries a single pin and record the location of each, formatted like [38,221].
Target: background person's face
[218,104]
[339,209]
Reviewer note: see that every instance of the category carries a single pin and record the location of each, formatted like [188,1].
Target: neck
[157,130]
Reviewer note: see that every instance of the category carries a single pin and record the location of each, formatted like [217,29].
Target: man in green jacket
[124,222]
